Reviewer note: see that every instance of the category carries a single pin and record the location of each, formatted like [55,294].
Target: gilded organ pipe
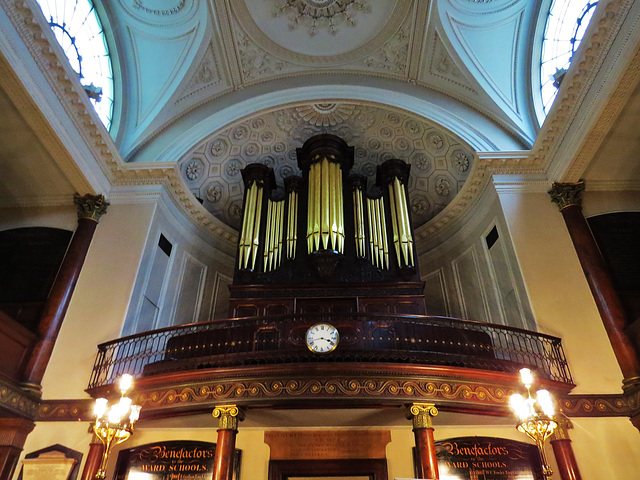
[358,219]
[325,227]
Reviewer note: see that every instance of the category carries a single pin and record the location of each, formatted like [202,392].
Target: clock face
[322,338]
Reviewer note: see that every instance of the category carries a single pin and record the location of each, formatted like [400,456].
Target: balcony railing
[408,339]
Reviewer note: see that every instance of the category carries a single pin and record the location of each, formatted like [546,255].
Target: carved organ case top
[324,227]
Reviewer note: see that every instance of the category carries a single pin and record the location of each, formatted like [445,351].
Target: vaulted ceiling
[204,87]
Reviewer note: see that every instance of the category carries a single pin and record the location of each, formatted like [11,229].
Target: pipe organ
[325,226]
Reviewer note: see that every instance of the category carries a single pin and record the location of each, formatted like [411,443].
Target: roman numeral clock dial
[322,338]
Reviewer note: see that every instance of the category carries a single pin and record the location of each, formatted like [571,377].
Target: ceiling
[430,82]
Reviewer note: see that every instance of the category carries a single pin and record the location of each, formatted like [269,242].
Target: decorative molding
[65,411]
[560,127]
[314,15]
[90,206]
[599,405]
[566,194]
[206,76]
[17,401]
[229,416]
[162,12]
[421,414]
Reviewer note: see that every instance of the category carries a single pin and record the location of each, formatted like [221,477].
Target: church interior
[323,237]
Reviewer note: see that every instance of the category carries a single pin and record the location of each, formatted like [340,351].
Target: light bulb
[126,382]
[519,405]
[135,413]
[100,407]
[526,377]
[546,402]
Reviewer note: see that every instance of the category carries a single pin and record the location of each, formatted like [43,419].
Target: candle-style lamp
[114,423]
[535,416]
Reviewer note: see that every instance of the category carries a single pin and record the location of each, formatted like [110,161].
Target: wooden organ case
[326,245]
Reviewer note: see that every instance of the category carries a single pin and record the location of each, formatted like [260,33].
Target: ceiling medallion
[315,15]
[325,114]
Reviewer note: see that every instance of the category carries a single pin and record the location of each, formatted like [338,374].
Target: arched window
[78,30]
[566,24]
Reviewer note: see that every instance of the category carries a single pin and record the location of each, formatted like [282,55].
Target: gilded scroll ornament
[566,194]
[228,415]
[421,414]
[90,206]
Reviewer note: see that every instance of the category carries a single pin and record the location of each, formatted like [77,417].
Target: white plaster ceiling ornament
[314,15]
[139,4]
[440,161]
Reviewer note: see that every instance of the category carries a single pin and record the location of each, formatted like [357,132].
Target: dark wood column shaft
[426,453]
[90,210]
[13,433]
[426,460]
[229,416]
[599,279]
[562,450]
[94,457]
[566,460]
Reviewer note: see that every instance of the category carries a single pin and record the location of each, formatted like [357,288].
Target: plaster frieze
[16,401]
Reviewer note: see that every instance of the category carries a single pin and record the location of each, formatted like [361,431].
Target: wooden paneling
[15,342]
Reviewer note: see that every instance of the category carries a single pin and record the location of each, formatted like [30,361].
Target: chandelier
[114,423]
[535,416]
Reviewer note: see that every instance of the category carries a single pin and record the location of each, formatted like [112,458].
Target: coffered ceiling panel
[440,162]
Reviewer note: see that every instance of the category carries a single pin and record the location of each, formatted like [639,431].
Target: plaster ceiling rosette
[320,33]
[440,161]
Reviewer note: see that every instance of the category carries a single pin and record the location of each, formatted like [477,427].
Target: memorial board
[327,444]
[487,458]
[171,460]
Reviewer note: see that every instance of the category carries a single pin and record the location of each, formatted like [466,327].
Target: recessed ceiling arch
[475,129]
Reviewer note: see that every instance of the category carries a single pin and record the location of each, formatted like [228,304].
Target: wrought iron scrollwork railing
[409,339]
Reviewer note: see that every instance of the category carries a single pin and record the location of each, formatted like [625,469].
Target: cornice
[76,105]
[557,129]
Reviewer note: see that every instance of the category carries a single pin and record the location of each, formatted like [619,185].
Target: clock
[322,338]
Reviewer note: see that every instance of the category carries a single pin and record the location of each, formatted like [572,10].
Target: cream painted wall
[558,291]
[101,299]
[605,448]
[63,217]
[598,203]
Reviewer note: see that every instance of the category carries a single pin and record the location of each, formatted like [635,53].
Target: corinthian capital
[90,206]
[566,194]
[228,416]
[421,414]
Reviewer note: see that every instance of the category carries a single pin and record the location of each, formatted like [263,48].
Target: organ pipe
[325,223]
[359,221]
[381,226]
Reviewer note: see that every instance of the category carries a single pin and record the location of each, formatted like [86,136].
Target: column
[421,414]
[228,416]
[568,198]
[90,209]
[94,457]
[561,443]
[13,433]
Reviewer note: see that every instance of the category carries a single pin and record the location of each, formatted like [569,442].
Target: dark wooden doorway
[373,469]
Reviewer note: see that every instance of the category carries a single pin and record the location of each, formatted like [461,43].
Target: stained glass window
[78,29]
[566,25]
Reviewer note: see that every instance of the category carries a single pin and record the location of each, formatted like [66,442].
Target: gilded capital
[90,206]
[421,414]
[566,194]
[562,430]
[228,415]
